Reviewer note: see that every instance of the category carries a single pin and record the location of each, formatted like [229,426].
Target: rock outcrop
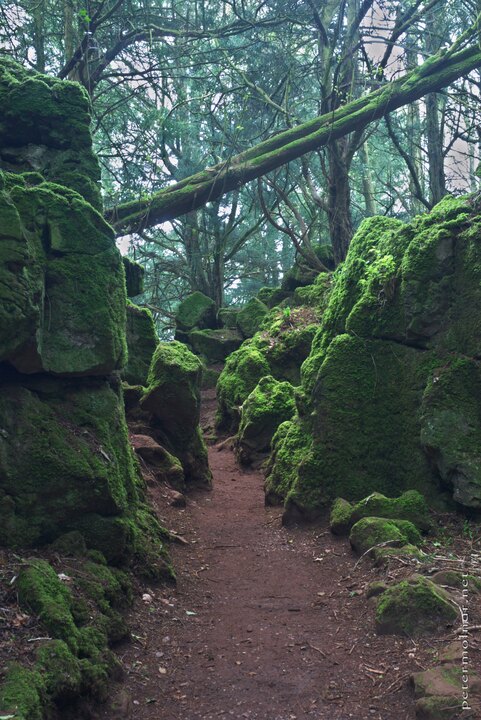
[391,387]
[65,460]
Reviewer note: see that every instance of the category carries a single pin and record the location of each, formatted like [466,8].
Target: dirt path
[266,623]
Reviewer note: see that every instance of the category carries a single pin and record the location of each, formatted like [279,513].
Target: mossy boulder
[250,318]
[173,399]
[134,277]
[446,692]
[411,506]
[370,532]
[46,130]
[278,350]
[196,311]
[61,671]
[269,404]
[272,296]
[414,607]
[62,296]
[215,345]
[394,366]
[243,370]
[227,317]
[142,339]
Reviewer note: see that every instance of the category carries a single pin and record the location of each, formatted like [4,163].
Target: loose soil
[266,622]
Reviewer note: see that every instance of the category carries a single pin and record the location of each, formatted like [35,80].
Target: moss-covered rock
[414,607]
[40,590]
[173,399]
[23,693]
[250,318]
[373,531]
[227,317]
[134,277]
[269,404]
[62,296]
[450,427]
[394,365]
[46,129]
[411,505]
[242,371]
[61,671]
[316,295]
[196,311]
[64,453]
[215,345]
[165,466]
[142,339]
[272,296]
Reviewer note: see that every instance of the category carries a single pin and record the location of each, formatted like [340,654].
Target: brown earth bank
[266,622]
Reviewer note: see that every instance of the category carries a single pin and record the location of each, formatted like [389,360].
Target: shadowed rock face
[393,378]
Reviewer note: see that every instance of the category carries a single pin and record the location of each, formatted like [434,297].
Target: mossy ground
[76,602]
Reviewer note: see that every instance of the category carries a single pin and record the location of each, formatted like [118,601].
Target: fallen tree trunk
[209,184]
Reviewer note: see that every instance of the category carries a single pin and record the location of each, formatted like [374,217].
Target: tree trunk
[434,136]
[339,200]
[367,184]
[195,191]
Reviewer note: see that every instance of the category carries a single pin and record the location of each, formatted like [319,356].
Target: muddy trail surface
[265,623]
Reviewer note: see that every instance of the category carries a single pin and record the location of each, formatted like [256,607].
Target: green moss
[47,122]
[249,319]
[142,339]
[414,607]
[196,311]
[316,295]
[272,296]
[269,404]
[291,448]
[411,505]
[287,350]
[22,693]
[134,277]
[60,671]
[74,437]
[62,289]
[340,521]
[227,317]
[215,345]
[40,590]
[242,371]
[173,399]
[372,531]
[451,420]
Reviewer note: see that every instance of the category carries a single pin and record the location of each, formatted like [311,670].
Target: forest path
[266,623]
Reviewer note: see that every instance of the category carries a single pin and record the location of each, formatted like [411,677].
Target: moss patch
[142,339]
[411,506]
[372,531]
[269,404]
[414,607]
[196,311]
